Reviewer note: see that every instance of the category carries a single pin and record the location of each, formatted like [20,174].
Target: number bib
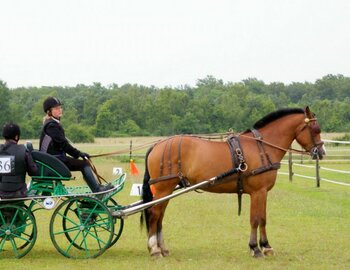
[7,165]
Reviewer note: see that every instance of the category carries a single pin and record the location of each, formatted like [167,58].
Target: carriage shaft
[124,213]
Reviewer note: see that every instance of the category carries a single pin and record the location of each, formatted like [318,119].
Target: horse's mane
[276,115]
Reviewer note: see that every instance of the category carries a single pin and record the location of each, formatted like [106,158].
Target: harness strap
[262,148]
[162,160]
[273,166]
[183,180]
[179,158]
[263,155]
[163,178]
[237,159]
[231,142]
[169,156]
[257,135]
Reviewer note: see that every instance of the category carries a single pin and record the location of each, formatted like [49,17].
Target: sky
[171,43]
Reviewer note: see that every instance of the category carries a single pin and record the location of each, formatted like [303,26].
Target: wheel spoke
[72,229]
[95,237]
[24,226]
[67,218]
[97,240]
[85,245]
[3,241]
[2,218]
[71,244]
[14,218]
[14,246]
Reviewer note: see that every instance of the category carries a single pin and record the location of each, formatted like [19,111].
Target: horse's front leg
[258,219]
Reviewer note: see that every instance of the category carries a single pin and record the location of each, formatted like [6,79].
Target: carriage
[81,226]
[84,225]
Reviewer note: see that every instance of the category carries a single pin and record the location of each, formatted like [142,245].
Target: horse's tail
[147,195]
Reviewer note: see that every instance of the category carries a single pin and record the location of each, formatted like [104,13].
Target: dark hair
[10,131]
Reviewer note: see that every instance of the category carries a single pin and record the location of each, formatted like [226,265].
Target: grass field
[308,228]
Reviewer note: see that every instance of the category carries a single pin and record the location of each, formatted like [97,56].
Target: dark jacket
[58,145]
[23,163]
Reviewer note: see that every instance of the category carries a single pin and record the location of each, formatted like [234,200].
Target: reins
[123,151]
[290,150]
[213,136]
[204,136]
[126,150]
[93,167]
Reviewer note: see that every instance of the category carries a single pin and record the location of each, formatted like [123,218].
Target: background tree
[210,106]
[5,115]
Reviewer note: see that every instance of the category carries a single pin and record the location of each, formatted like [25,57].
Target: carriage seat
[50,166]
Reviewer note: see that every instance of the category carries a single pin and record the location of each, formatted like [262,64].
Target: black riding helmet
[50,103]
[10,131]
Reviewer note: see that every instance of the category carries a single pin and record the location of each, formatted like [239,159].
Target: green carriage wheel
[81,227]
[18,231]
[118,222]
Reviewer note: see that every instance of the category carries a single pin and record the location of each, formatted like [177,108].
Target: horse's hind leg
[161,244]
[156,243]
[153,232]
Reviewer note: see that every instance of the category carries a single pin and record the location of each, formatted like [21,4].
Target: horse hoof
[157,255]
[165,252]
[256,253]
[268,251]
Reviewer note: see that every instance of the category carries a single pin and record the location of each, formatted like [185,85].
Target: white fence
[335,155]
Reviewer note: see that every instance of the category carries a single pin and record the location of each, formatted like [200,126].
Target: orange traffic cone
[133,168]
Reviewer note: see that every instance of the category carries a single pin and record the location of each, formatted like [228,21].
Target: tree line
[210,106]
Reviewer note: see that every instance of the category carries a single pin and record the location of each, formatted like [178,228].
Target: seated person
[53,141]
[18,161]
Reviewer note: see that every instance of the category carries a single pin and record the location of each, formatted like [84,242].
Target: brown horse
[188,160]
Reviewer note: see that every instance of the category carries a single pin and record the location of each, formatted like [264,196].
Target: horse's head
[308,135]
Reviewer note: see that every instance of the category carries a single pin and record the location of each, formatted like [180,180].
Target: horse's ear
[308,112]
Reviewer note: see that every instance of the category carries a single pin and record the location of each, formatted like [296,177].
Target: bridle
[314,150]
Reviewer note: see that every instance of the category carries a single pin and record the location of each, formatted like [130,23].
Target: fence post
[130,154]
[318,172]
[290,166]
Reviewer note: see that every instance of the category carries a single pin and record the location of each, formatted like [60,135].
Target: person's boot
[106,187]
[92,182]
